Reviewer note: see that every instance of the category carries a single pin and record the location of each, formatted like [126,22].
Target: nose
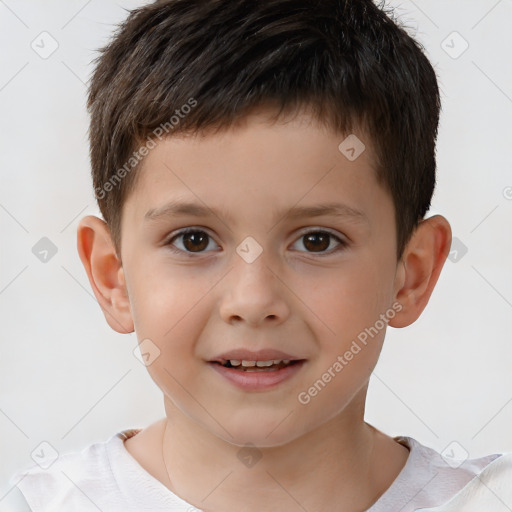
[255,294]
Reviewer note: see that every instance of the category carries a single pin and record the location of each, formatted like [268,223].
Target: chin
[259,431]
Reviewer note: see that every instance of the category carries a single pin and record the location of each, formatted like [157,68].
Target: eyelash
[342,243]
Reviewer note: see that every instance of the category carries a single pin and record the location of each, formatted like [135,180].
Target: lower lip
[259,380]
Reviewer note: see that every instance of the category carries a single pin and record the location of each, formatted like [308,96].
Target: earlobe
[420,267]
[105,272]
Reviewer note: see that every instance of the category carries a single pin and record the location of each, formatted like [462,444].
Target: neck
[335,467]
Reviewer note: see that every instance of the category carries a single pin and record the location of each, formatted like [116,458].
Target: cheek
[350,298]
[163,297]
[173,322]
[170,311]
[350,310]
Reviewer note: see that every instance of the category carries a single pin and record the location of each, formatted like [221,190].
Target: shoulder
[490,490]
[453,465]
[432,479]
[75,481]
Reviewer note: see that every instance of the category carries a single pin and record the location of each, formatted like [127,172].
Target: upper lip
[241,354]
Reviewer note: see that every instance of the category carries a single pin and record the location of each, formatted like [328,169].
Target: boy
[264,170]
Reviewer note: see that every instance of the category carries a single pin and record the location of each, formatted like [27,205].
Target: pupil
[323,239]
[197,238]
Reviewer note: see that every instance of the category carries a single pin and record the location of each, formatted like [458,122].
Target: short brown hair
[349,61]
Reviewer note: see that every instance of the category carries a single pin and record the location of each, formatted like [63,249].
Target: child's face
[200,296]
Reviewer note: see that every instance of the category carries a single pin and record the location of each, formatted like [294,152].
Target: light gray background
[67,379]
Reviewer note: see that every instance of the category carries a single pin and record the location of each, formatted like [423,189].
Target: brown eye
[320,241]
[195,241]
[317,241]
[192,241]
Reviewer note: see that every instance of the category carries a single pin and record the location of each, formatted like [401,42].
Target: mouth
[244,365]
[264,360]
[257,373]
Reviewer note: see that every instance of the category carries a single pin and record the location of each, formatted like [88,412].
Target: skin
[307,300]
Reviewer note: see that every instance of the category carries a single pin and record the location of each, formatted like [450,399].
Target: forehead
[258,164]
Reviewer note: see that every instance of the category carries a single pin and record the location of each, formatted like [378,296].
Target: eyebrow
[181,208]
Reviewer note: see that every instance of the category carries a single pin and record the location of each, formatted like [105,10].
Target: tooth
[277,361]
[234,362]
[248,363]
[286,361]
[264,363]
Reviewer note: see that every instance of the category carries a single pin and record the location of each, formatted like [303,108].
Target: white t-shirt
[105,477]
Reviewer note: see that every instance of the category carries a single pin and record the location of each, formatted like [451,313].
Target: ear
[419,268]
[105,272]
